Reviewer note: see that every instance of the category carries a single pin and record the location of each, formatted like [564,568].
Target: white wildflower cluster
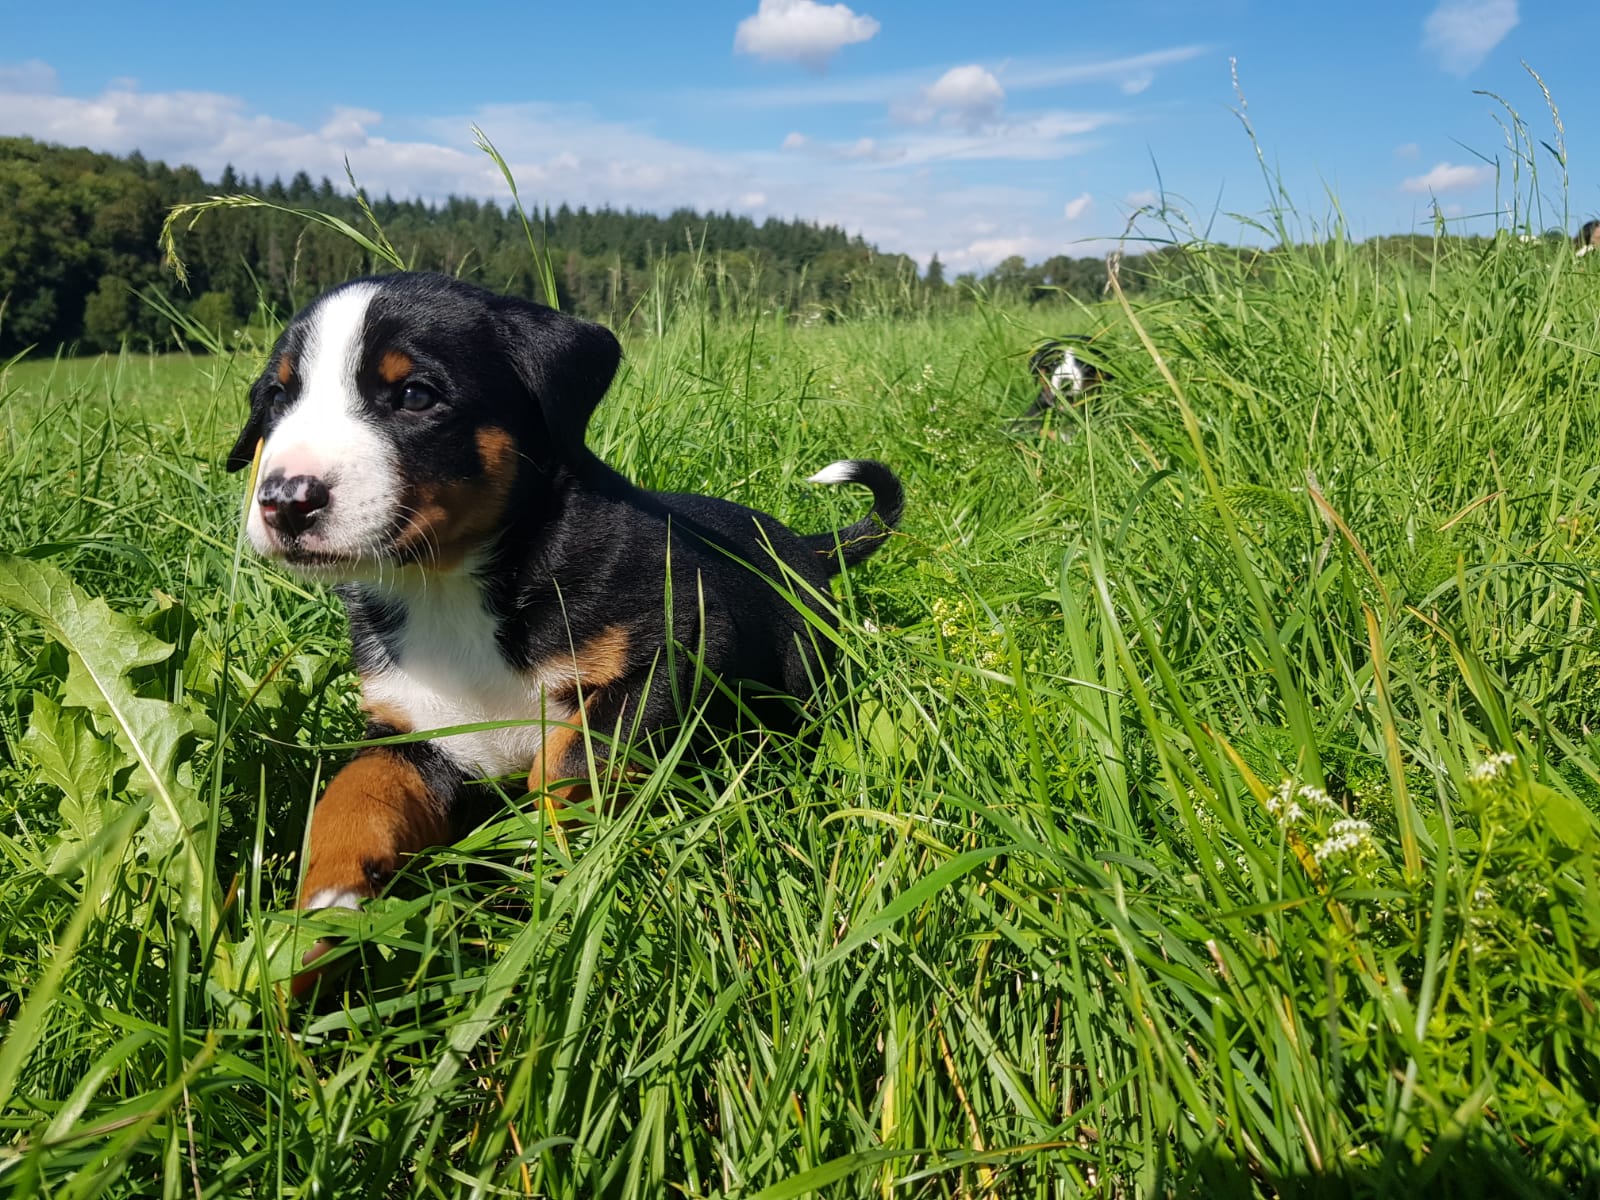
[947,616]
[1333,837]
[1492,769]
[1285,803]
[1346,838]
[957,620]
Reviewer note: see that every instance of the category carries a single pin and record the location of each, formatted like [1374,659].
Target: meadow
[1205,803]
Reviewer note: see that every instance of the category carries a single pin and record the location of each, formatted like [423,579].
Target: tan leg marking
[376,813]
[561,756]
[596,663]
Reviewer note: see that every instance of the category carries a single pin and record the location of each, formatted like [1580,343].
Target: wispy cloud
[1449,177]
[801,31]
[567,153]
[1021,137]
[1023,74]
[1461,33]
[1014,75]
[1076,207]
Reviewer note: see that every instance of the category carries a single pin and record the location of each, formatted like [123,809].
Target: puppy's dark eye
[415,397]
[278,396]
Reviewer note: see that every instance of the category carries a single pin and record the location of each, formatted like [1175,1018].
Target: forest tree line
[80,263]
[79,253]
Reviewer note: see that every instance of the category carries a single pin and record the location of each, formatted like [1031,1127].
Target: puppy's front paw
[302,984]
[375,815]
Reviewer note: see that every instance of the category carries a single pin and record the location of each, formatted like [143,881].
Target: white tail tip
[843,471]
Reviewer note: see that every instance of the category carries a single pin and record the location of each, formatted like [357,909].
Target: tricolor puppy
[423,448]
[1064,378]
[1588,238]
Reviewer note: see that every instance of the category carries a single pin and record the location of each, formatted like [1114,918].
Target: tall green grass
[1205,803]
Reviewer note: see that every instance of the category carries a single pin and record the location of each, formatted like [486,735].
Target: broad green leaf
[104,646]
[69,753]
[72,757]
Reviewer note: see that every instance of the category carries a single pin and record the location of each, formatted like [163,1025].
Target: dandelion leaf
[71,756]
[104,647]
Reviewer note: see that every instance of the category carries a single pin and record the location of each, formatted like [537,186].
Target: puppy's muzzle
[291,506]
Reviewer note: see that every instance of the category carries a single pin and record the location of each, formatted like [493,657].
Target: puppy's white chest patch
[446,670]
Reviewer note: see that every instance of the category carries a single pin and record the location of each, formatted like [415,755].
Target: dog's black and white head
[1063,375]
[401,414]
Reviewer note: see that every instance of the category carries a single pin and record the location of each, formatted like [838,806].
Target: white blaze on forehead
[328,433]
[328,404]
[332,353]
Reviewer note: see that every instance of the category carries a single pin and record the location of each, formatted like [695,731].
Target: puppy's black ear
[565,364]
[255,427]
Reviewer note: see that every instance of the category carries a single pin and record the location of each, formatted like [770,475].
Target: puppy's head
[400,414]
[1061,369]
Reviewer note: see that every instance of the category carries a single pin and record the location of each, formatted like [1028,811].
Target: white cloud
[1075,208]
[1141,199]
[1134,84]
[796,141]
[801,31]
[968,96]
[349,124]
[1461,33]
[209,130]
[879,188]
[1407,150]
[986,252]
[1449,177]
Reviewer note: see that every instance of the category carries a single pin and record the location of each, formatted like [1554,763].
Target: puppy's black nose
[291,505]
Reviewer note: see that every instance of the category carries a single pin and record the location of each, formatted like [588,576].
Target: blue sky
[974,130]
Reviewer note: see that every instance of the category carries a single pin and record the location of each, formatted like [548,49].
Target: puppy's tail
[854,543]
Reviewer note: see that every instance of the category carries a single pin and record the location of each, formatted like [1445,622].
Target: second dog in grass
[1064,376]
[422,446]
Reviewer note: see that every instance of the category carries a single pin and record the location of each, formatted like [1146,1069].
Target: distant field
[1207,803]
